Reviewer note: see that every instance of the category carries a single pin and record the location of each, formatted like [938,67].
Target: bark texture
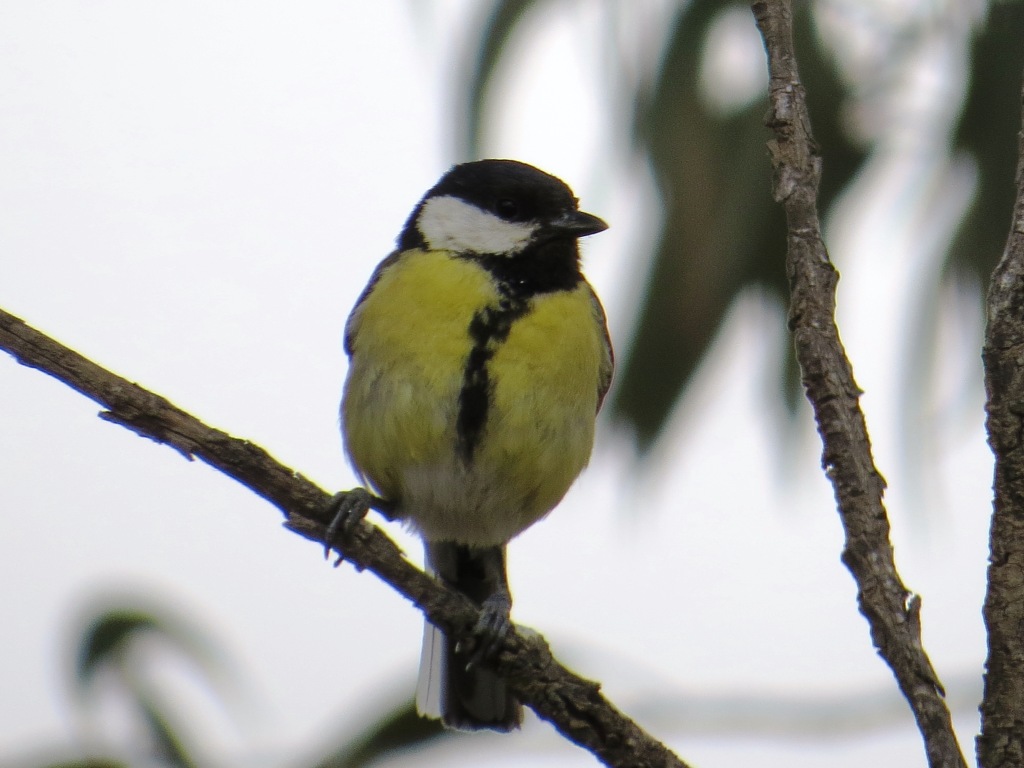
[893,613]
[1001,743]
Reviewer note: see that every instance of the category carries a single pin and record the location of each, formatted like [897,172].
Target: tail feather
[468,700]
[432,673]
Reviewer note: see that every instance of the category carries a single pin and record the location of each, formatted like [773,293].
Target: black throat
[543,268]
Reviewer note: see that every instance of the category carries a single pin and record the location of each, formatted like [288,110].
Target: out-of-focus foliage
[107,640]
[401,728]
[115,645]
[126,645]
[110,642]
[987,130]
[721,234]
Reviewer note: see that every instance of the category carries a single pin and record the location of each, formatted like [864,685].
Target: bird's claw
[349,507]
[491,630]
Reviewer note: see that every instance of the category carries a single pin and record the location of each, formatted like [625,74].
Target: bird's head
[497,208]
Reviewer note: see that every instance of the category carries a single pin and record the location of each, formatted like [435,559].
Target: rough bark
[1001,743]
[893,613]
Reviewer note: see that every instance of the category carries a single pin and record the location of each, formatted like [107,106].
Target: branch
[573,705]
[893,613]
[1001,742]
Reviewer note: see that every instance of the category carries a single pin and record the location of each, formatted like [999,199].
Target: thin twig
[893,613]
[1001,743]
[573,705]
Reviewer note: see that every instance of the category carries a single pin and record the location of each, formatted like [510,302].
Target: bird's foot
[491,629]
[349,507]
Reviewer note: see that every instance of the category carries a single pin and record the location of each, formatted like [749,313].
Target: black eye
[506,208]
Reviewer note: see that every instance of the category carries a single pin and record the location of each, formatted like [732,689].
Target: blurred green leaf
[722,233]
[492,39]
[987,130]
[106,638]
[111,639]
[168,746]
[112,633]
[399,729]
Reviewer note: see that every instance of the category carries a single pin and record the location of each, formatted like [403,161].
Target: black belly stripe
[488,330]
[548,267]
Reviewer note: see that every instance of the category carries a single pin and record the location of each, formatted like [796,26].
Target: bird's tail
[465,699]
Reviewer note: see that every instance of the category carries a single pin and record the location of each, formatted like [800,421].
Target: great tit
[479,358]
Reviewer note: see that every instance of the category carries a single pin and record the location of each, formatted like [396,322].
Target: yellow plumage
[410,343]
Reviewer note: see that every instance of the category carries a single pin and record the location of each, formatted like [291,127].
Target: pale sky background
[193,194]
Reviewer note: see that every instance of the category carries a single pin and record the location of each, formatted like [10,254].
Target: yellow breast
[410,345]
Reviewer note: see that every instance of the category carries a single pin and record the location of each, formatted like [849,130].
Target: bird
[479,357]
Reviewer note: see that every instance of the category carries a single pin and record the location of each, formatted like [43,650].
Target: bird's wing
[353,318]
[604,376]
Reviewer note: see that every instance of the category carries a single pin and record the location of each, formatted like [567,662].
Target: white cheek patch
[450,224]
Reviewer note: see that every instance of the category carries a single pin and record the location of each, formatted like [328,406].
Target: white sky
[194,194]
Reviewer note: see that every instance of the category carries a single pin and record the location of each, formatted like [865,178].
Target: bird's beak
[573,224]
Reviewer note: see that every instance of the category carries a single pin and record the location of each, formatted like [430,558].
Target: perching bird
[479,360]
